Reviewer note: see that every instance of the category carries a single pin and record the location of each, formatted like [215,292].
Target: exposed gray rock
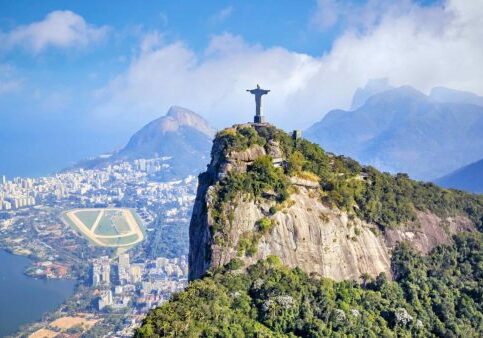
[306,233]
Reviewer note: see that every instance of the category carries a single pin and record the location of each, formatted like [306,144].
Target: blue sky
[78,77]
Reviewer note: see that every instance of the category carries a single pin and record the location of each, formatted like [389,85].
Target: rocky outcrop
[304,232]
[428,231]
[309,235]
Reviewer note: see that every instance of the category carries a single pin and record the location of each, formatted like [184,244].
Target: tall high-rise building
[106,274]
[96,277]
[136,273]
[101,271]
[124,260]
[105,299]
[123,268]
[4,179]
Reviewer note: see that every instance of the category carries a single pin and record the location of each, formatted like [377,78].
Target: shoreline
[64,292]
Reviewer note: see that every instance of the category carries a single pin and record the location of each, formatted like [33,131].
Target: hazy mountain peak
[404,130]
[403,92]
[181,134]
[181,117]
[371,88]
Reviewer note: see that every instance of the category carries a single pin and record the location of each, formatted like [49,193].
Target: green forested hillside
[437,295]
[381,198]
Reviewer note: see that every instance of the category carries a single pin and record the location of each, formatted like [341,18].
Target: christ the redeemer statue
[258,92]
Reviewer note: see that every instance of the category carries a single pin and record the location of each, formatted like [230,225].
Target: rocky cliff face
[303,230]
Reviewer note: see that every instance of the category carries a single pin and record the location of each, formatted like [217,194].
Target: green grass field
[88,217]
[121,224]
[112,223]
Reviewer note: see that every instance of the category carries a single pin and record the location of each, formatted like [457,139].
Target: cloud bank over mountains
[437,45]
[404,42]
[102,75]
[60,29]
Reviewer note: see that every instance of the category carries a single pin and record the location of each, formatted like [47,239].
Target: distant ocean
[32,164]
[40,156]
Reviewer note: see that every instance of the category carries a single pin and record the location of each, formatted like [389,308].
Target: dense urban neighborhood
[116,286]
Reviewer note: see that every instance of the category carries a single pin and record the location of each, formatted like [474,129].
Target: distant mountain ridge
[181,134]
[442,94]
[468,178]
[404,130]
[372,88]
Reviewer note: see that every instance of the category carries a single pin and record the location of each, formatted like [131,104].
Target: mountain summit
[281,233]
[180,131]
[266,193]
[181,135]
[373,87]
[404,130]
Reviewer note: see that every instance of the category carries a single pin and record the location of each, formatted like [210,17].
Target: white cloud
[151,41]
[419,46]
[222,15]
[214,86]
[9,86]
[9,80]
[360,15]
[61,29]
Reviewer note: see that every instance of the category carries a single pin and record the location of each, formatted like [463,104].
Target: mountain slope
[403,130]
[181,134]
[468,178]
[434,296]
[265,194]
[273,216]
[442,94]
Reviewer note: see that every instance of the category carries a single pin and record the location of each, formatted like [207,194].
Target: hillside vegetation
[437,295]
[380,198]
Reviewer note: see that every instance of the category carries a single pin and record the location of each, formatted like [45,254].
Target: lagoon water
[24,299]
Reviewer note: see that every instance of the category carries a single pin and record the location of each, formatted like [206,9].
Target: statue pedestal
[259,119]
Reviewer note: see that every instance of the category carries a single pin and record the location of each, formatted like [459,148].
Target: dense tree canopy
[437,295]
[381,198]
